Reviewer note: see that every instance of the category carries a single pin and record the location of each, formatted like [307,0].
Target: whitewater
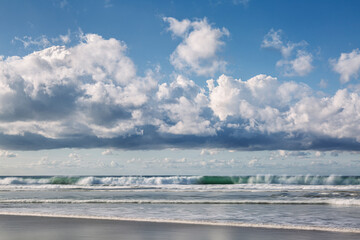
[306,202]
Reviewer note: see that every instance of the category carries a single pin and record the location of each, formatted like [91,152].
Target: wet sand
[54,228]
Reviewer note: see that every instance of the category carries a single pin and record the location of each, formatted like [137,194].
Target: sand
[55,228]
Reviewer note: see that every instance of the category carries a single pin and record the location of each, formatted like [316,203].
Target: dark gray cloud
[152,139]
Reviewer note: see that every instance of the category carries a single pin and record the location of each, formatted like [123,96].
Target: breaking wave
[180,180]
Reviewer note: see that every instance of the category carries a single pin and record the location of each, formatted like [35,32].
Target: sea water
[315,202]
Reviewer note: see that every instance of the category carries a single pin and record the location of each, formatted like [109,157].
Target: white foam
[339,202]
[136,180]
[23,181]
[184,180]
[211,223]
[186,188]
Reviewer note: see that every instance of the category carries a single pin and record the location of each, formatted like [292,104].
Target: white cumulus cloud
[348,65]
[262,103]
[90,95]
[89,88]
[178,28]
[299,64]
[259,101]
[183,102]
[198,50]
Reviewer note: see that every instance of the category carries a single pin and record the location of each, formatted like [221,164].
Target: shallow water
[23,227]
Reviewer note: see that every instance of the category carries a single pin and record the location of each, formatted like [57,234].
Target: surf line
[207,223]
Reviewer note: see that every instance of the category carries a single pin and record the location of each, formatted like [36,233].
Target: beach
[56,228]
[213,119]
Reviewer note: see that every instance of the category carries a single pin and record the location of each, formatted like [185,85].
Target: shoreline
[16,227]
[189,222]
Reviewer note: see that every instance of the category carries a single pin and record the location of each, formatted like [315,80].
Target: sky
[208,87]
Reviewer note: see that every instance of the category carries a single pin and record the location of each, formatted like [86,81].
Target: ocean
[293,202]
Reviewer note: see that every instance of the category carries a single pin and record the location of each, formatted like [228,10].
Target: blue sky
[179,87]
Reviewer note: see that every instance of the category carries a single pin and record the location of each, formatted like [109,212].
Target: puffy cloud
[336,116]
[198,50]
[90,95]
[178,28]
[263,104]
[299,65]
[273,40]
[107,152]
[300,154]
[59,91]
[185,105]
[209,152]
[7,154]
[348,65]
[229,91]
[74,156]
[258,103]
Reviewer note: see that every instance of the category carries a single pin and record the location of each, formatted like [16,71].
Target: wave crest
[181,180]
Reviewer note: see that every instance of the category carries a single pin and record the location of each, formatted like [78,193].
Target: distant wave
[340,202]
[180,180]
